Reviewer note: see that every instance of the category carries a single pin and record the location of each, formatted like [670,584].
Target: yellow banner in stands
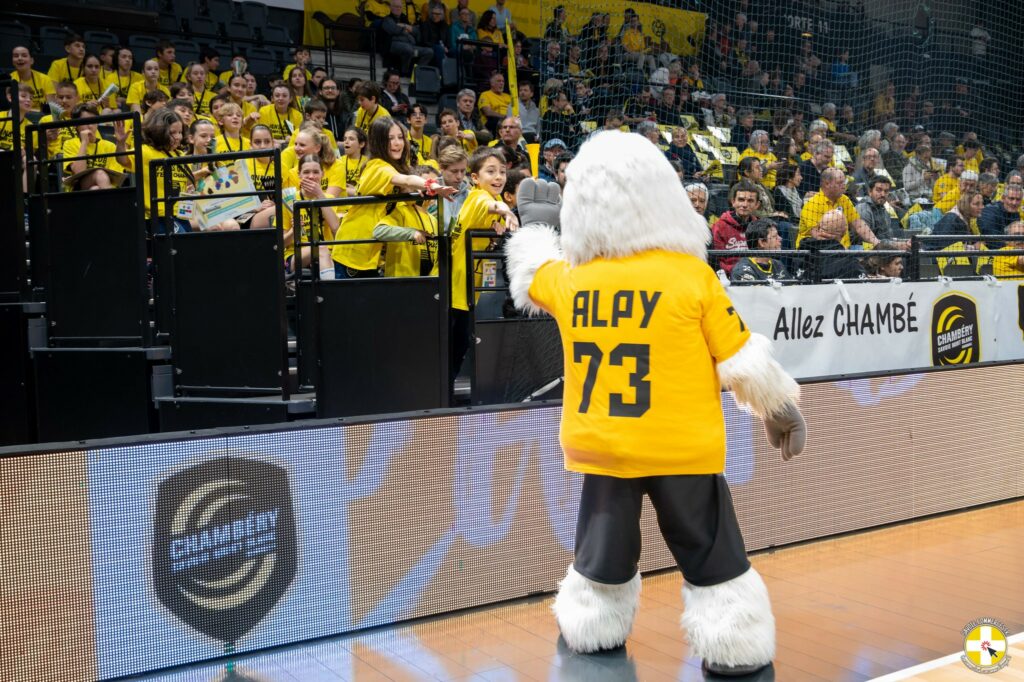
[682,30]
[513,83]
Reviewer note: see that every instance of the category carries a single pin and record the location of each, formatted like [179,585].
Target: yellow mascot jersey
[641,338]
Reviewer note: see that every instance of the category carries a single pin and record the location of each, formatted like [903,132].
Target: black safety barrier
[13,253]
[330,26]
[89,249]
[221,294]
[512,357]
[375,344]
[919,265]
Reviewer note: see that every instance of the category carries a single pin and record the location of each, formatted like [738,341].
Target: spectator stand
[18,312]
[379,344]
[222,297]
[512,357]
[94,360]
[352,35]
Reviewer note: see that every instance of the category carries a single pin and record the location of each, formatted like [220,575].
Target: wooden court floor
[856,607]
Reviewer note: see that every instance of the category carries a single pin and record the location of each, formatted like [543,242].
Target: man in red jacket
[729,231]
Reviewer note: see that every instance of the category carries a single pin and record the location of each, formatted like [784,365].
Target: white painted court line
[937,663]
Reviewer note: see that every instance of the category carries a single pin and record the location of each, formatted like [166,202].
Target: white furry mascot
[650,338]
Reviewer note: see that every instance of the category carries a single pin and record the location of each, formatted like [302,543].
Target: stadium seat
[12,35]
[186,51]
[94,40]
[51,41]
[254,13]
[143,47]
[427,82]
[169,23]
[225,51]
[450,74]
[276,34]
[203,26]
[262,61]
[239,31]
[447,101]
[221,11]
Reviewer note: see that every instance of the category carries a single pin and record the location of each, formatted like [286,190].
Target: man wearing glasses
[339,118]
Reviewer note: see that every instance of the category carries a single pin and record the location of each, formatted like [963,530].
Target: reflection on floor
[850,608]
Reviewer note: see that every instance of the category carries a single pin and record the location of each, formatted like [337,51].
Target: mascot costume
[649,339]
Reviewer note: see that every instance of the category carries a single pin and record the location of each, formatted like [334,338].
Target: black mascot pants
[695,515]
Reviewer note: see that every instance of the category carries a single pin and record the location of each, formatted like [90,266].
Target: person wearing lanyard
[261,170]
[229,116]
[201,95]
[353,143]
[279,115]
[69,68]
[123,76]
[90,85]
[42,87]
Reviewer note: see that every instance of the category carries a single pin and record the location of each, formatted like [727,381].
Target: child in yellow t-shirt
[411,229]
[261,170]
[353,146]
[201,95]
[229,116]
[282,118]
[311,140]
[150,82]
[25,92]
[42,86]
[94,172]
[387,172]
[92,85]
[122,77]
[310,187]
[370,110]
[67,100]
[482,210]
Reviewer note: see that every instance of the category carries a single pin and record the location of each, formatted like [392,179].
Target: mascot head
[622,197]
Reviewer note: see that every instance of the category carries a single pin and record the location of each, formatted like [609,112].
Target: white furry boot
[730,625]
[593,616]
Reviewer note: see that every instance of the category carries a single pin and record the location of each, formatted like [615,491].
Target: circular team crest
[985,646]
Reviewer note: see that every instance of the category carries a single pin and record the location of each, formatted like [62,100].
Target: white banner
[853,328]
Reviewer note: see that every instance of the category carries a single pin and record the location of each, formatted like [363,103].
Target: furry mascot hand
[539,201]
[786,430]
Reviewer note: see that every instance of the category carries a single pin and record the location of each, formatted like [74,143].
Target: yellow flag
[513,86]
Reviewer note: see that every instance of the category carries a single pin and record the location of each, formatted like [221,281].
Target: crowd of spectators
[766,133]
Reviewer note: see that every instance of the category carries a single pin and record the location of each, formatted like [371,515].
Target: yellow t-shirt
[365,120]
[180,180]
[123,83]
[494,36]
[641,338]
[225,145]
[473,216]
[769,176]
[60,71]
[946,192]
[332,177]
[262,173]
[201,102]
[6,138]
[210,80]
[497,102]
[424,149]
[973,164]
[137,90]
[278,123]
[63,135]
[73,148]
[1006,267]
[42,88]
[88,93]
[831,125]
[405,259]
[353,170]
[819,205]
[360,220]
[170,74]
[306,218]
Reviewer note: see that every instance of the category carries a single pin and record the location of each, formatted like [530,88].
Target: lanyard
[358,161]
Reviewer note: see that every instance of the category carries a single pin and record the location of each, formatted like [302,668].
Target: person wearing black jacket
[339,116]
